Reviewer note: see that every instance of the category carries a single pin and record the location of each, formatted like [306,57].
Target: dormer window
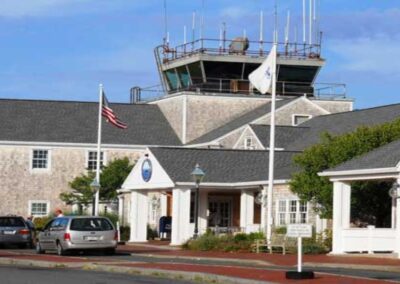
[248,143]
[300,118]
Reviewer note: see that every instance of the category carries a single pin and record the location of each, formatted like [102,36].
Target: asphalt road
[30,275]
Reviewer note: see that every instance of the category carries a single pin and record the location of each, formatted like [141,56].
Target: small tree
[111,179]
[332,151]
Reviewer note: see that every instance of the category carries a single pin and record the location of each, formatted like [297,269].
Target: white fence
[370,239]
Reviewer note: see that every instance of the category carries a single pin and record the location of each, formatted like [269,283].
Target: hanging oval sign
[147,170]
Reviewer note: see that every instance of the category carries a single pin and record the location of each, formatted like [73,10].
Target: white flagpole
[97,198]
[272,145]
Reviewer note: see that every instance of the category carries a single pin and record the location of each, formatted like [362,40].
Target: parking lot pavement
[193,268]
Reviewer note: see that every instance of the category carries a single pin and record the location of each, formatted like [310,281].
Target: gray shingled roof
[341,123]
[76,122]
[284,135]
[223,166]
[387,156]
[238,122]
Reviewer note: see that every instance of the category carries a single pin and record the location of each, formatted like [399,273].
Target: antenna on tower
[184,35]
[193,28]
[261,31]
[202,20]
[310,32]
[304,22]
[287,28]
[276,22]
[166,33]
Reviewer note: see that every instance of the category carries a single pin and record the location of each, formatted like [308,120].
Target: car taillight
[116,236]
[24,232]
[67,237]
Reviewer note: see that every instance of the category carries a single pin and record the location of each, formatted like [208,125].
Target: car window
[48,225]
[91,224]
[63,222]
[56,223]
[11,222]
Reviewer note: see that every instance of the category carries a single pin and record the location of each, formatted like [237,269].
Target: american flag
[109,114]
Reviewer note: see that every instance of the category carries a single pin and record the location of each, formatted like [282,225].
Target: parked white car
[70,233]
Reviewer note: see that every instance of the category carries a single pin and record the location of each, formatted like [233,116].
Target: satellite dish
[239,45]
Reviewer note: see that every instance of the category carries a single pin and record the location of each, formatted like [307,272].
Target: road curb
[199,277]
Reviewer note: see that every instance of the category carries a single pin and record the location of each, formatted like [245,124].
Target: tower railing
[255,49]
[243,87]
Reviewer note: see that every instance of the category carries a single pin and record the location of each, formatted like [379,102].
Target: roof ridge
[289,126]
[63,101]
[223,149]
[355,110]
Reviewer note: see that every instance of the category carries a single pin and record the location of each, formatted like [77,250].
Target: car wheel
[39,249]
[60,250]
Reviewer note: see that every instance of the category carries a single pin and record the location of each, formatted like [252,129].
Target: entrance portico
[225,204]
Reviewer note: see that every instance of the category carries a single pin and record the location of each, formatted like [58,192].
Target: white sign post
[299,231]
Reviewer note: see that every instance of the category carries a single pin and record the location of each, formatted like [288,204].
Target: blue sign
[147,170]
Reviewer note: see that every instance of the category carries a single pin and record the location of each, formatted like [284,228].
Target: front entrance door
[220,212]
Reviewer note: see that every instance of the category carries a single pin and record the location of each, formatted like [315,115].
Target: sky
[63,49]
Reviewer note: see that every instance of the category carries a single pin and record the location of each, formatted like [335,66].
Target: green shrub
[112,216]
[280,230]
[226,242]
[256,236]
[125,233]
[40,222]
[151,233]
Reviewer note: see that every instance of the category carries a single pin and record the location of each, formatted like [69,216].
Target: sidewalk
[347,261]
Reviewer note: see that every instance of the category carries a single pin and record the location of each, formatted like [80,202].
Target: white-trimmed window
[300,118]
[39,208]
[92,160]
[292,211]
[248,143]
[40,159]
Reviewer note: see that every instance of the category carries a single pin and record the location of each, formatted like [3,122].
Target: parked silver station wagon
[69,233]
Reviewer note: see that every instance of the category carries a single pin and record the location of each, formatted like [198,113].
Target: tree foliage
[111,179]
[332,151]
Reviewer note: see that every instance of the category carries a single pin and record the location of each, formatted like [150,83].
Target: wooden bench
[277,241]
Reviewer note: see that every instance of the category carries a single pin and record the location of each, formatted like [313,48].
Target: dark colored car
[14,230]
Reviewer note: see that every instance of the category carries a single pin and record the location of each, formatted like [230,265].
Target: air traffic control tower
[223,66]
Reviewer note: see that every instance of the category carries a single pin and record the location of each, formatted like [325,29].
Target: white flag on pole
[261,78]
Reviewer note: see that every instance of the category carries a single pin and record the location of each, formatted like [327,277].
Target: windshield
[91,224]
[11,222]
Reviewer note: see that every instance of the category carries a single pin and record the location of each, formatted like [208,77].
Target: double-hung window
[40,159]
[39,208]
[291,212]
[248,143]
[92,160]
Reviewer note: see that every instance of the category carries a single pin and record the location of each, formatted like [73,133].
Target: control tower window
[300,118]
[172,79]
[195,73]
[183,76]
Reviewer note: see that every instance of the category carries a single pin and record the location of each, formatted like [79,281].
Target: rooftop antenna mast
[261,32]
[287,31]
[202,23]
[310,32]
[166,34]
[304,22]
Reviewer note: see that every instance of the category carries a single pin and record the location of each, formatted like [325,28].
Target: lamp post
[95,186]
[198,176]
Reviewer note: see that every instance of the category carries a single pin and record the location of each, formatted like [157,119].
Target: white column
[341,214]
[180,216]
[163,205]
[397,249]
[121,209]
[246,210]
[139,216]
[394,210]
[203,209]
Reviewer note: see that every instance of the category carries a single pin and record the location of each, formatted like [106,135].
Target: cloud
[362,24]
[374,55]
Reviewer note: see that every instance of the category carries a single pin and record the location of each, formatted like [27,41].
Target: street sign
[299,230]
